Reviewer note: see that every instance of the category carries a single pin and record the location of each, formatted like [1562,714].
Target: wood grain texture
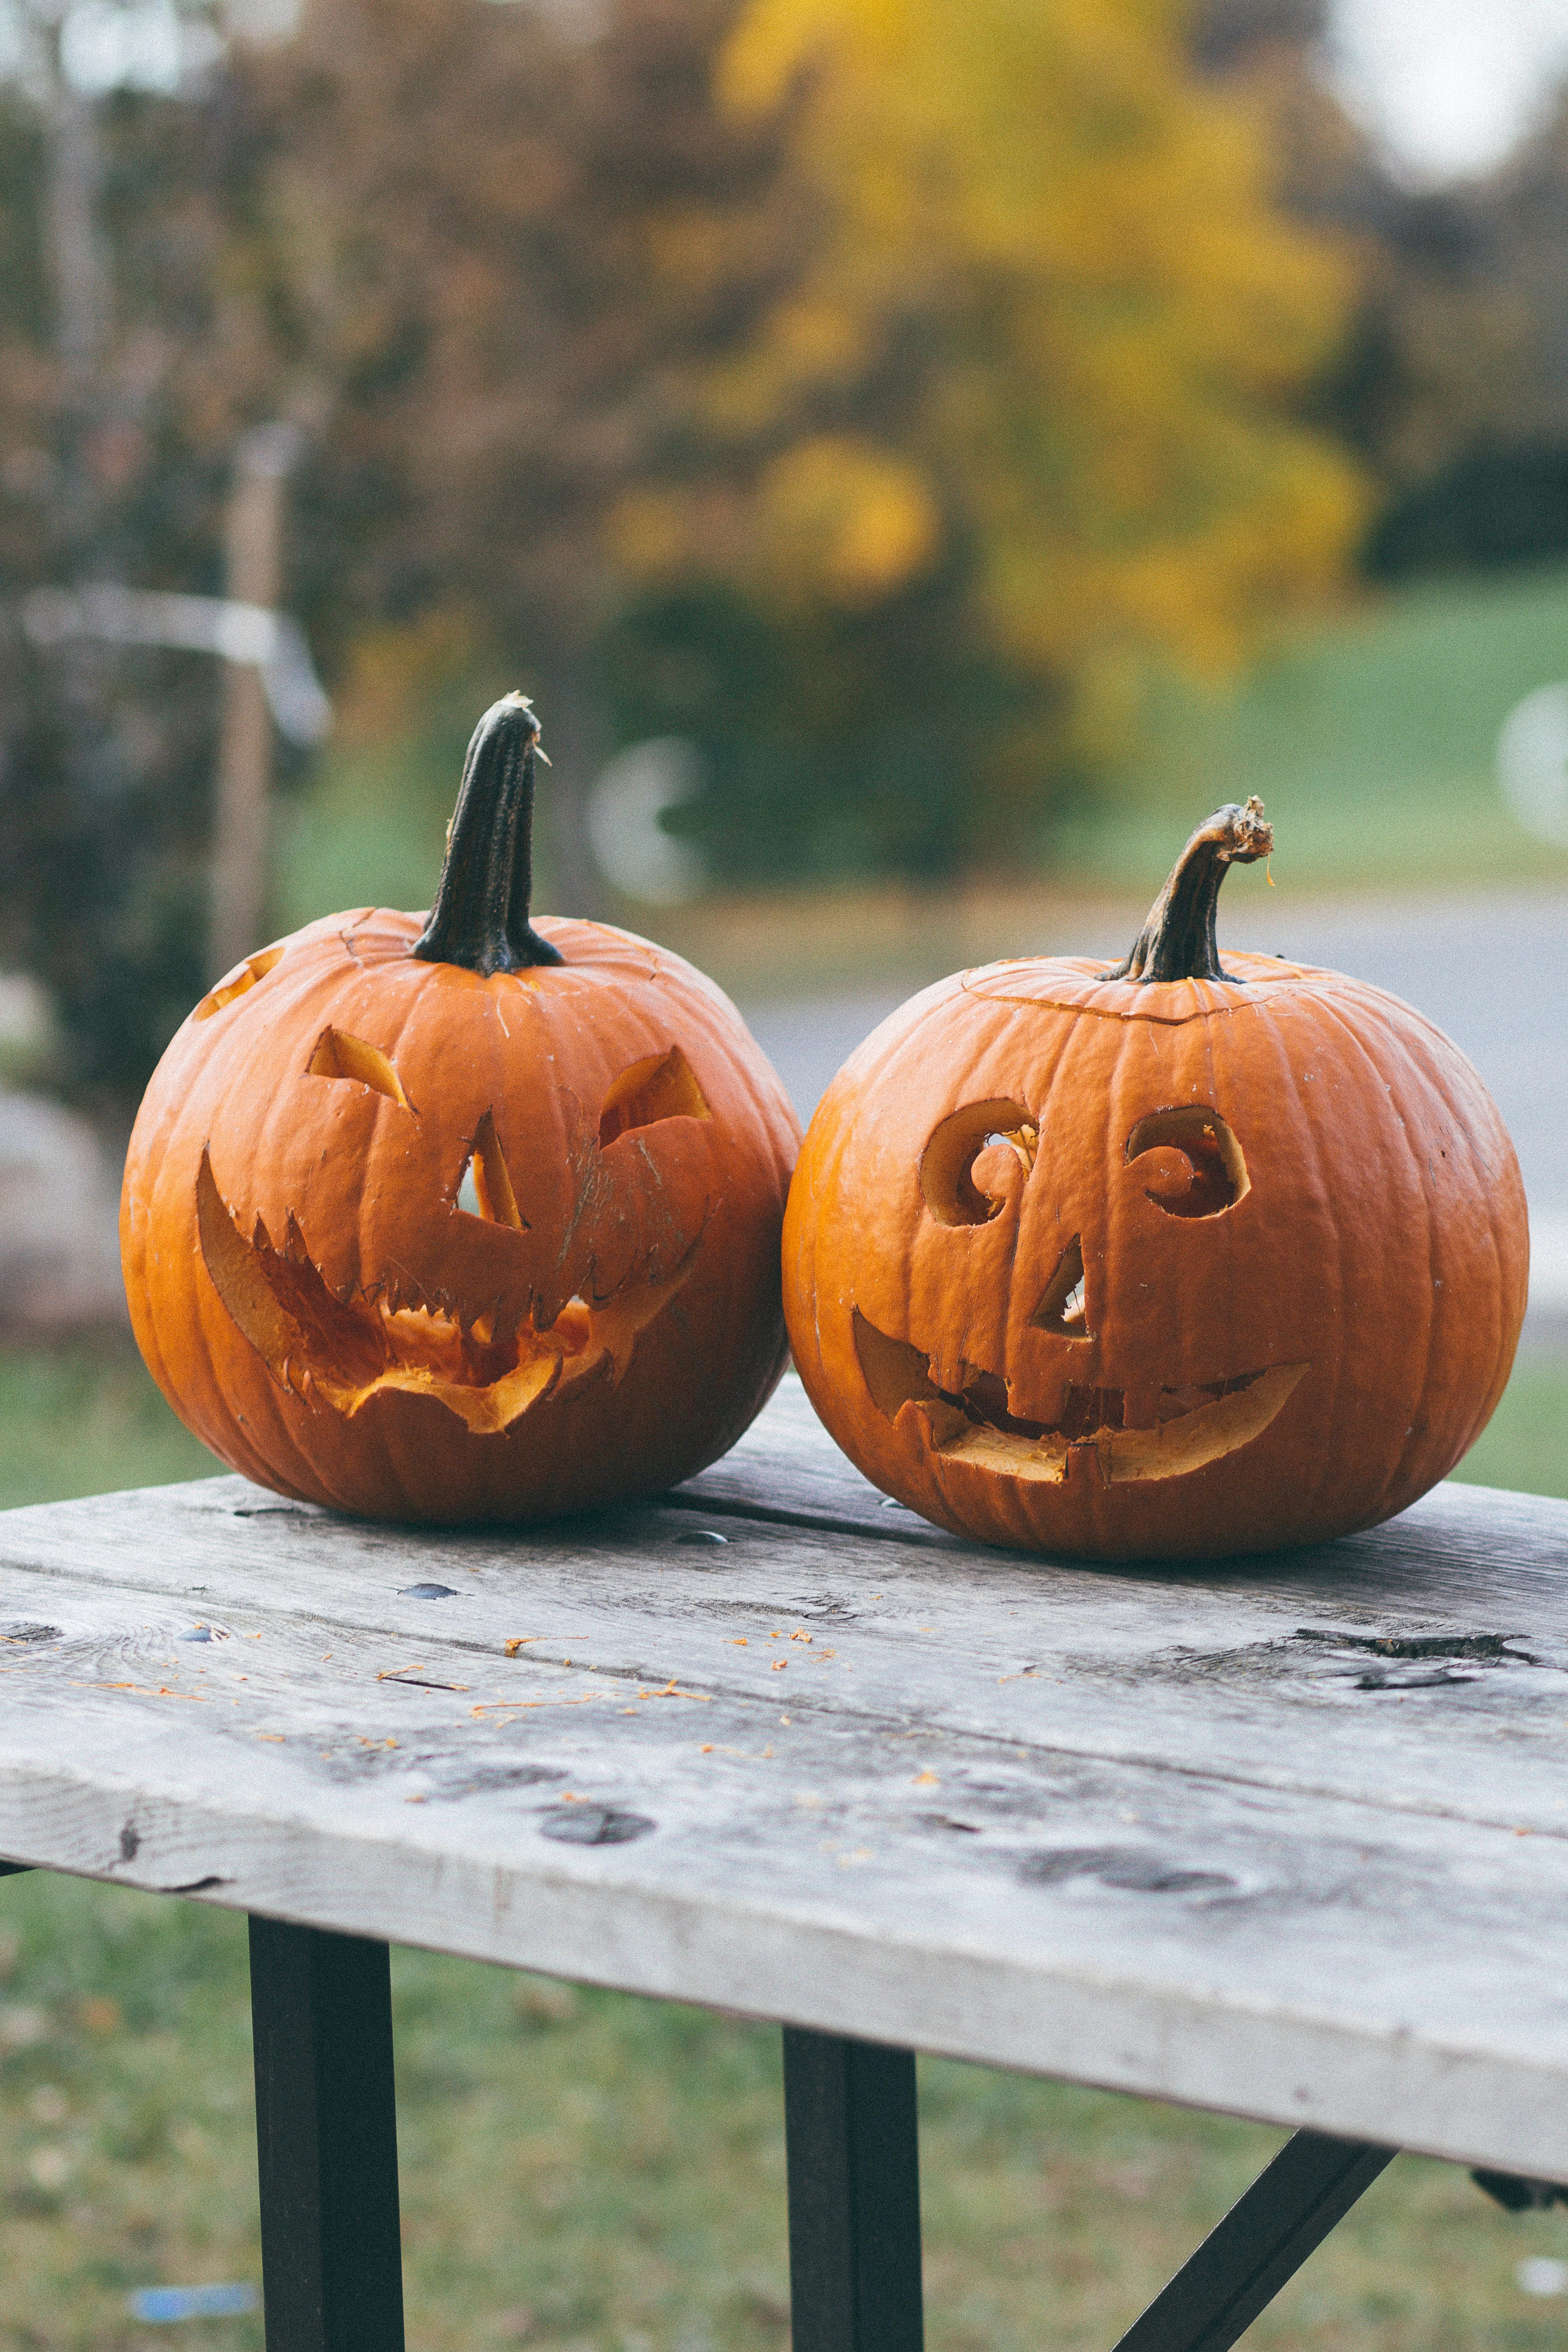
[1287,1836]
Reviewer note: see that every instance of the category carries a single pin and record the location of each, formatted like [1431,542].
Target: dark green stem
[1178,941]
[479,918]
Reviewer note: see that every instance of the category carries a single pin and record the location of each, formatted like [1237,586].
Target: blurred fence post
[254,557]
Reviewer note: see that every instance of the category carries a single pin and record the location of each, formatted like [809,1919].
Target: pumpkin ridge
[1402,1108]
[1324,1466]
[1429,1079]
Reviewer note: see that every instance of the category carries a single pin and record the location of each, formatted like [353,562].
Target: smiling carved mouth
[343,1351]
[1192,1426]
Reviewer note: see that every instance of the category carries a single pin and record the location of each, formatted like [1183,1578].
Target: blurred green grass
[583,2172]
[1525,1444]
[86,1418]
[1373,743]
[586,2172]
[1371,739]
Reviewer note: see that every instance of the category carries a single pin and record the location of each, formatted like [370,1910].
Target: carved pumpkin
[1168,1261]
[461,1220]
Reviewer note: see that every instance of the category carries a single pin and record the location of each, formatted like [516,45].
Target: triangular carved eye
[664,1085]
[249,972]
[339,1056]
[1061,1308]
[486,1190]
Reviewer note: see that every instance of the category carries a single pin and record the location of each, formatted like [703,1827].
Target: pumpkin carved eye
[340,1055]
[257,968]
[965,1165]
[663,1086]
[1201,1171]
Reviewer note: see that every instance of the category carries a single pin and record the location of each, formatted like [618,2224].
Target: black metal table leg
[853,2153]
[326,2131]
[1263,2240]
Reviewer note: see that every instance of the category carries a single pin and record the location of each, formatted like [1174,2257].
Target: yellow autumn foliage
[1063,324]
[838,515]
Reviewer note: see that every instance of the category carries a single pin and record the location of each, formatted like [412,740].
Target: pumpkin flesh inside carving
[1192,1426]
[340,1352]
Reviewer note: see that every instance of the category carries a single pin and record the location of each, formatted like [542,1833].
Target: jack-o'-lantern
[1166,1261]
[458,1219]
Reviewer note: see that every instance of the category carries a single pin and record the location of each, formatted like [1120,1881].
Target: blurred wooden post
[253,562]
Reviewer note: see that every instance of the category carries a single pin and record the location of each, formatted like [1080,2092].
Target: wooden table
[1286,1837]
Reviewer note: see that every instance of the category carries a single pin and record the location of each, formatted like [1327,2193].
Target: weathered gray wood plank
[1132,1826]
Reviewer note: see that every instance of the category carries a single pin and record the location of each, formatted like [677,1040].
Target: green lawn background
[1372,742]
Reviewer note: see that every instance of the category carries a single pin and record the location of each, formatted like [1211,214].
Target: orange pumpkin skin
[1270,1351]
[318,1307]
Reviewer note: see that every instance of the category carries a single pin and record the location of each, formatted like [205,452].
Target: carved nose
[1062,1309]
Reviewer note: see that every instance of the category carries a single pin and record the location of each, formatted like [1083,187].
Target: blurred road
[1492,971]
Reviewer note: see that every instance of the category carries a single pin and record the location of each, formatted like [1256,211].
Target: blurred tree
[504,248]
[121,395]
[1475,367]
[1528,209]
[475,250]
[1025,426]
[873,394]
[1452,384]
[1225,35]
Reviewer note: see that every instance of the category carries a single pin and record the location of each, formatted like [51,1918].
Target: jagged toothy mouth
[1192,1426]
[342,1352]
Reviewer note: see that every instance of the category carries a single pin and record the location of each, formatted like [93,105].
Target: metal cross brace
[854,2214]
[1262,2241]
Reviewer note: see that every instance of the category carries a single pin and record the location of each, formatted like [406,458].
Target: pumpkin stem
[479,918]
[1178,942]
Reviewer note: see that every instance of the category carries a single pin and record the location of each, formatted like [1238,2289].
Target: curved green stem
[1178,941]
[479,918]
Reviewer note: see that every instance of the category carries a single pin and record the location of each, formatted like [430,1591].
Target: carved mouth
[1192,1426]
[340,1352]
